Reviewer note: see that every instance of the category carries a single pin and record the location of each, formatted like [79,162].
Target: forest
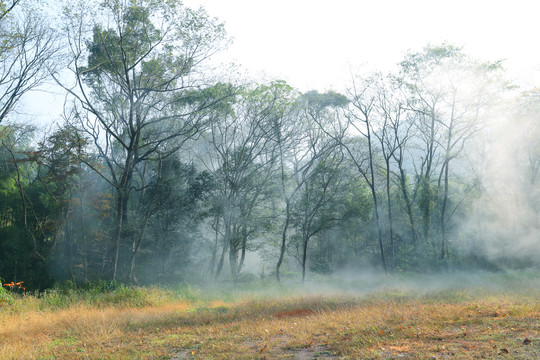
[164,168]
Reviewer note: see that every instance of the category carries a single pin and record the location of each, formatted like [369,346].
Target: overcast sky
[316,44]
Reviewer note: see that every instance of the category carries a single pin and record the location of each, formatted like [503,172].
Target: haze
[317,44]
[296,140]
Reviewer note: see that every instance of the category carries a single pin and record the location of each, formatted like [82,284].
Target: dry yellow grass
[381,330]
[383,326]
[85,330]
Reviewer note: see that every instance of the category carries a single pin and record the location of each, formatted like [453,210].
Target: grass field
[253,321]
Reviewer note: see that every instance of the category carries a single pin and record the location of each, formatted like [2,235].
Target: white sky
[316,44]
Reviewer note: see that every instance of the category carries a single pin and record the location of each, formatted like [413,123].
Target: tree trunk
[443,214]
[446,175]
[389,201]
[283,238]
[136,247]
[121,209]
[243,247]
[221,260]
[233,259]
[374,194]
[216,243]
[378,220]
[408,204]
[425,179]
[304,257]
[226,242]
[121,216]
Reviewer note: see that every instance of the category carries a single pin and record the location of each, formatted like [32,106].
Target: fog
[505,221]
[181,171]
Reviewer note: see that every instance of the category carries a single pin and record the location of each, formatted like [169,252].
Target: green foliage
[417,64]
[5,295]
[28,212]
[328,99]
[103,294]
[111,51]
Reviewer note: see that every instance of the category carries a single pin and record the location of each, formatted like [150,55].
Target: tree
[527,115]
[298,135]
[363,153]
[452,94]
[387,125]
[139,91]
[28,47]
[28,214]
[7,7]
[320,205]
[59,171]
[285,134]
[242,158]
[173,205]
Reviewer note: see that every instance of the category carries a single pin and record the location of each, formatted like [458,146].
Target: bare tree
[28,46]
[360,120]
[387,131]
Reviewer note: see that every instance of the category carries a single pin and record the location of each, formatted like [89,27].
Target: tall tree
[139,90]
[363,154]
[242,156]
[58,170]
[320,204]
[386,130]
[301,142]
[451,94]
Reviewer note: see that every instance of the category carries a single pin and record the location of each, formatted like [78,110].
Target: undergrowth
[450,288]
[100,294]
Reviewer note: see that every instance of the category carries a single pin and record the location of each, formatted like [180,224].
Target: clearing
[471,323]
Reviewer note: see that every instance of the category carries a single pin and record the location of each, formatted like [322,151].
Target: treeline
[161,171]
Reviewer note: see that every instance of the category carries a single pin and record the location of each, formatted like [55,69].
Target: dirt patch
[319,352]
[313,352]
[183,355]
